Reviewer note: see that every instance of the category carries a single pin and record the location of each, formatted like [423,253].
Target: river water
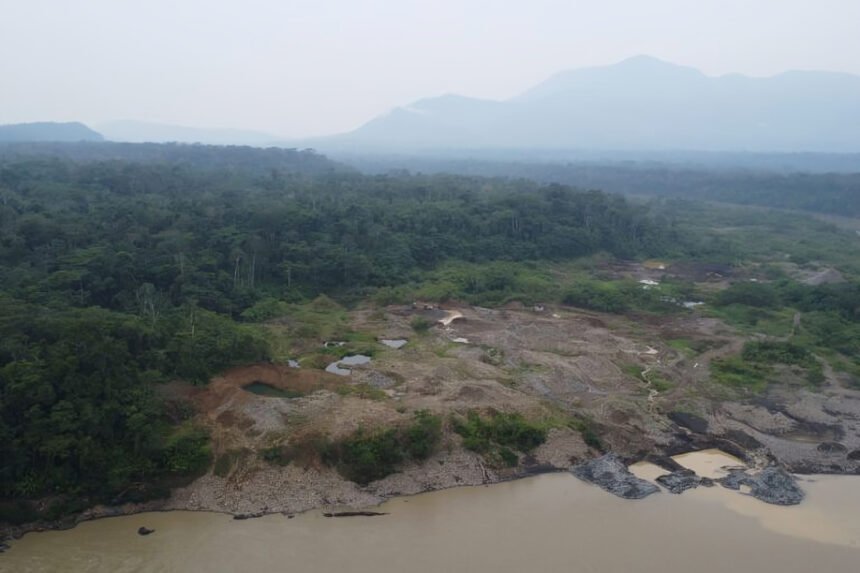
[546,523]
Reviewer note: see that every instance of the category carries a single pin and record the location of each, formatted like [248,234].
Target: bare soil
[555,364]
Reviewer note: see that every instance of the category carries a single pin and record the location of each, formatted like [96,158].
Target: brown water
[546,523]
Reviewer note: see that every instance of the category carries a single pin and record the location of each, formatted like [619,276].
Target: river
[550,522]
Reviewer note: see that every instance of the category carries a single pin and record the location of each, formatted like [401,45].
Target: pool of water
[263,389]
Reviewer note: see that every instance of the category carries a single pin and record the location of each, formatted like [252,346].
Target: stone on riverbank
[681,480]
[772,485]
[611,474]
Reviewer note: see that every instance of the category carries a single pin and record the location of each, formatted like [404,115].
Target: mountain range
[48,131]
[638,104]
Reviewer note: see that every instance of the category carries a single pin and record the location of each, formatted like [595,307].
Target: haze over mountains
[48,131]
[133,131]
[641,104]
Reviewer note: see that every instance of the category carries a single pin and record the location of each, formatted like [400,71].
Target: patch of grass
[780,352]
[363,391]
[752,320]
[632,370]
[683,345]
[737,373]
[659,383]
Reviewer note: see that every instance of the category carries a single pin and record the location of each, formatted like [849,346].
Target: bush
[420,324]
[364,457]
[588,431]
[421,437]
[490,436]
[187,451]
[778,352]
[602,297]
[737,373]
[758,295]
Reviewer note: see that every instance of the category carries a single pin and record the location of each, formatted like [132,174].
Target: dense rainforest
[124,267]
[830,193]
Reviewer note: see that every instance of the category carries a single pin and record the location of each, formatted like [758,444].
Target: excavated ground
[547,364]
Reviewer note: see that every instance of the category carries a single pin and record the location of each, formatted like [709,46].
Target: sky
[299,68]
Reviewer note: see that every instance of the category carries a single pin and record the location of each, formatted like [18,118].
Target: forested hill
[240,159]
[833,193]
[117,276]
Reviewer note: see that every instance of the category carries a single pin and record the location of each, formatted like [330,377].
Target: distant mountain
[639,104]
[145,132]
[48,131]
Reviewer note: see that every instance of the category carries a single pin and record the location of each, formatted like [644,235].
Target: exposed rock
[682,480]
[831,448]
[742,439]
[692,422]
[144,530]
[772,485]
[611,474]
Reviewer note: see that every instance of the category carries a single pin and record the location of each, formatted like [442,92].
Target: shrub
[588,431]
[735,372]
[366,456]
[501,430]
[602,297]
[421,437]
[758,295]
[420,324]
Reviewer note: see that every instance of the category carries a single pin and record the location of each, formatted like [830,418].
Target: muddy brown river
[545,523]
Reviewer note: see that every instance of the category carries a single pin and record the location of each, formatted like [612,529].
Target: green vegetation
[823,318]
[766,186]
[739,374]
[364,391]
[589,432]
[498,434]
[420,324]
[367,456]
[753,369]
[659,383]
[773,352]
[126,267]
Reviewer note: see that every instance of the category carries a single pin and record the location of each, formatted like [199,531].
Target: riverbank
[578,373]
[549,522]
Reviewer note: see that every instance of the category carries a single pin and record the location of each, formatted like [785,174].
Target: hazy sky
[296,68]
